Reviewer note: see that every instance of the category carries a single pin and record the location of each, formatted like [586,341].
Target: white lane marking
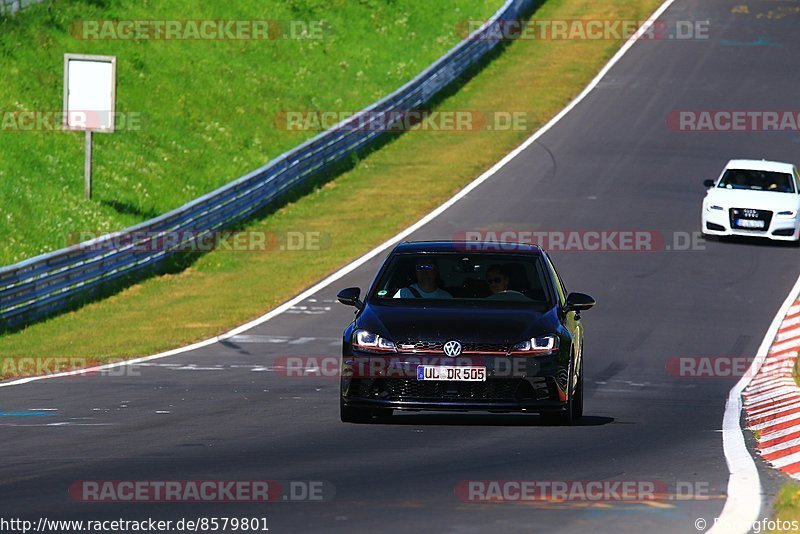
[70,423]
[57,424]
[301,340]
[251,338]
[743,505]
[284,340]
[309,310]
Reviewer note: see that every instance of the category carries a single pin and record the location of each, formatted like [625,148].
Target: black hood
[502,325]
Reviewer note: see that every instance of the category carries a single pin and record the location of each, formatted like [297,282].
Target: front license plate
[451,373]
[749,223]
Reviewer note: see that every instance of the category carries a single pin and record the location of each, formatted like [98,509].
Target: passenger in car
[426,287]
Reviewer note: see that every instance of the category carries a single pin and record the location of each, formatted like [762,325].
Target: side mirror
[708,183]
[578,302]
[349,297]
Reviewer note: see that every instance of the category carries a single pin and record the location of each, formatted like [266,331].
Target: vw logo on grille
[452,348]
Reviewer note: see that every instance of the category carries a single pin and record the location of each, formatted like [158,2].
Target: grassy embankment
[411,175]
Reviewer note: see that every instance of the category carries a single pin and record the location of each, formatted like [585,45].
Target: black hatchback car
[463,326]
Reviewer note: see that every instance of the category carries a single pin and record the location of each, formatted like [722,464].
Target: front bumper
[717,222]
[455,406]
[513,384]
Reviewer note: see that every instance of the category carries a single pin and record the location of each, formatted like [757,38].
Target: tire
[577,400]
[711,237]
[574,407]
[354,415]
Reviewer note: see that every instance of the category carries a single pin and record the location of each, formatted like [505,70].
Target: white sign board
[89,92]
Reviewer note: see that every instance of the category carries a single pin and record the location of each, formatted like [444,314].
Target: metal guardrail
[9,7]
[48,283]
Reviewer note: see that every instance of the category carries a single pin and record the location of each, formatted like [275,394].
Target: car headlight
[537,346]
[714,207]
[366,341]
[789,214]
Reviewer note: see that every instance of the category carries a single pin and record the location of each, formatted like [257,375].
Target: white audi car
[754,198]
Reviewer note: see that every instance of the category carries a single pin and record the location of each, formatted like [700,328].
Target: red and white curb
[772,399]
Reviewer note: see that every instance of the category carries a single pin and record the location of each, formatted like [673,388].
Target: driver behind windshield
[426,287]
[497,278]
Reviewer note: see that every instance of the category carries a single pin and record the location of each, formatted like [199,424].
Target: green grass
[413,174]
[787,505]
[207,108]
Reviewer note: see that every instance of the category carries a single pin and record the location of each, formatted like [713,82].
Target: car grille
[438,346]
[509,390]
[740,219]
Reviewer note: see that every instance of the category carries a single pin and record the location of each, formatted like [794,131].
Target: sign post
[89,101]
[87,167]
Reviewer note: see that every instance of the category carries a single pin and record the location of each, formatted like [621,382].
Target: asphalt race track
[223,413]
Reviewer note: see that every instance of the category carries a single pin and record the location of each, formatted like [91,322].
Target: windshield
[778,182]
[465,277]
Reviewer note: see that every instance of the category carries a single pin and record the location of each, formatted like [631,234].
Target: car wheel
[574,408]
[577,399]
[353,415]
